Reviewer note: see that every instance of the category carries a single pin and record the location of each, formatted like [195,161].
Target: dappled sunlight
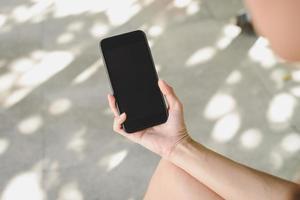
[182,3]
[16,96]
[65,38]
[70,191]
[230,31]
[112,161]
[234,77]
[291,143]
[155,30]
[261,53]
[4,145]
[26,185]
[38,55]
[226,127]
[39,10]
[60,106]
[278,76]
[3,19]
[201,56]
[51,63]
[35,13]
[77,143]
[77,7]
[193,8]
[295,91]
[281,109]
[28,74]
[120,12]
[296,75]
[87,73]
[30,124]
[5,26]
[276,160]
[98,30]
[75,26]
[22,65]
[21,14]
[7,80]
[251,138]
[219,105]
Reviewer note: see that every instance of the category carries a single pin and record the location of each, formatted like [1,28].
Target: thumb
[168,91]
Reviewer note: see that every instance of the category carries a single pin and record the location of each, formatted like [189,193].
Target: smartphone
[134,80]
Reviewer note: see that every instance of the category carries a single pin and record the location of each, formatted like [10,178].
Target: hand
[160,139]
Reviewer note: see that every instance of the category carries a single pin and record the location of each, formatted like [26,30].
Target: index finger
[112,104]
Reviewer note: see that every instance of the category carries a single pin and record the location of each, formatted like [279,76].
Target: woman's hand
[162,138]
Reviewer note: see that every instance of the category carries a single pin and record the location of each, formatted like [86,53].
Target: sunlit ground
[56,140]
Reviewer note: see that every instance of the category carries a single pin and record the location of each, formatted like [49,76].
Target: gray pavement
[56,140]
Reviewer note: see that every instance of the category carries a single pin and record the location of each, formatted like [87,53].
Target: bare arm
[279,22]
[229,179]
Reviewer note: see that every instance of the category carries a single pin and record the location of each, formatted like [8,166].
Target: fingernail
[123,115]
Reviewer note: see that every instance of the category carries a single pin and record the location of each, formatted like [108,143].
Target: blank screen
[134,80]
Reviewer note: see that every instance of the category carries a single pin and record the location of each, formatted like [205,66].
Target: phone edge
[108,77]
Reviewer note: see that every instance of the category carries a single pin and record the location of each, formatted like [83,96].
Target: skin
[279,22]
[171,182]
[209,173]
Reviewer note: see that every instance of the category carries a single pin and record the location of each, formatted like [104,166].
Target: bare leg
[171,182]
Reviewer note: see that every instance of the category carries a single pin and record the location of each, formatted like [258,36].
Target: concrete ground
[56,138]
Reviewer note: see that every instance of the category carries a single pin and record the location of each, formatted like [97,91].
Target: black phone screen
[134,79]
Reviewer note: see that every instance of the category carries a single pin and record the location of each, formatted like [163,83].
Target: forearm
[279,22]
[229,179]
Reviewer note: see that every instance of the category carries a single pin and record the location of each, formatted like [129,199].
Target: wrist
[186,147]
[180,147]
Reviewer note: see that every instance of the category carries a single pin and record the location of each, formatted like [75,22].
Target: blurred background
[56,138]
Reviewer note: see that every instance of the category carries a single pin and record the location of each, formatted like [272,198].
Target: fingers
[117,127]
[112,104]
[171,97]
[118,121]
